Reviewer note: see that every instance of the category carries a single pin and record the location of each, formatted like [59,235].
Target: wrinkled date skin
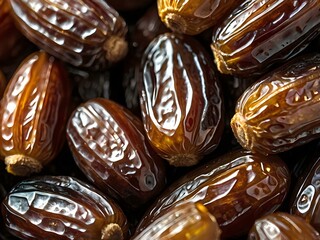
[34,112]
[259,34]
[281,110]
[306,201]
[194,16]
[237,189]
[12,41]
[61,207]
[186,221]
[281,225]
[181,100]
[109,145]
[87,33]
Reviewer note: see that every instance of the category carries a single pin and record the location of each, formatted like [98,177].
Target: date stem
[112,231]
[175,22]
[116,48]
[21,165]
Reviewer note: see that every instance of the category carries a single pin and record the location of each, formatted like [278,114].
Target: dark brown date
[281,225]
[194,16]
[186,221]
[236,188]
[109,145]
[11,40]
[181,100]
[281,110]
[261,33]
[33,114]
[306,199]
[83,33]
[60,207]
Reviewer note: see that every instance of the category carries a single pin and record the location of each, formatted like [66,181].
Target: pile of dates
[160,120]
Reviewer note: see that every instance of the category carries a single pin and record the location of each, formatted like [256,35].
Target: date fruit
[281,225]
[33,114]
[306,200]
[281,110]
[87,33]
[186,221]
[236,188]
[261,33]
[181,99]
[61,207]
[109,146]
[194,16]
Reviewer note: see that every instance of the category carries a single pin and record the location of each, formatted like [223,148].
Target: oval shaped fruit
[109,146]
[33,114]
[186,221]
[12,41]
[306,200]
[260,33]
[281,225]
[61,207]
[87,33]
[280,111]
[236,188]
[194,16]
[181,100]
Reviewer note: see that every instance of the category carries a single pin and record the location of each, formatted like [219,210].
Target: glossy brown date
[83,33]
[109,145]
[260,33]
[281,225]
[181,100]
[186,221]
[281,110]
[236,188]
[33,114]
[61,207]
[194,16]
[306,199]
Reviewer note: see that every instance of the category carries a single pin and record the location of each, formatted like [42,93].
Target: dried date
[281,110]
[109,145]
[61,207]
[237,188]
[260,33]
[33,114]
[194,16]
[281,225]
[181,99]
[86,33]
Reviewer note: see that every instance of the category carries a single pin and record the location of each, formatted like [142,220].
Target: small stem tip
[116,48]
[21,165]
[112,232]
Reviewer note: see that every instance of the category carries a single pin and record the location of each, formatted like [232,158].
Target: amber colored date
[181,100]
[306,199]
[281,225]
[236,188]
[194,16]
[259,34]
[186,221]
[34,112]
[109,145]
[61,207]
[85,33]
[281,110]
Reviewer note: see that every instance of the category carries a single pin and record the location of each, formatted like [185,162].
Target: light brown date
[236,188]
[181,99]
[281,225]
[61,207]
[33,114]
[109,145]
[262,33]
[83,33]
[281,110]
